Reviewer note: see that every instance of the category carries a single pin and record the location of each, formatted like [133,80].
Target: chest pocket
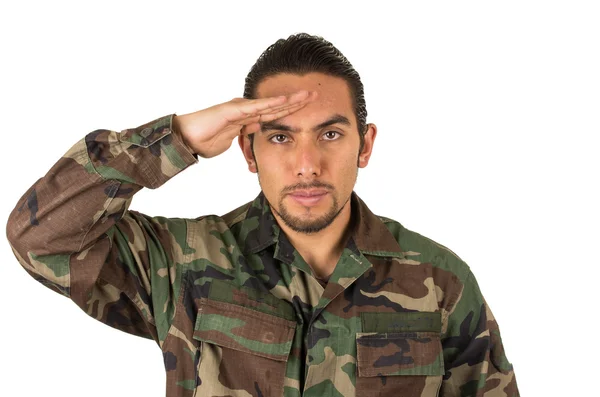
[399,354]
[246,337]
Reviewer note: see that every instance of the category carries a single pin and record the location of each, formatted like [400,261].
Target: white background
[488,117]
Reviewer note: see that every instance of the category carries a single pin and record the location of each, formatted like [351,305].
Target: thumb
[250,128]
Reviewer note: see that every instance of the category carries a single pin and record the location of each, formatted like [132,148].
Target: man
[303,291]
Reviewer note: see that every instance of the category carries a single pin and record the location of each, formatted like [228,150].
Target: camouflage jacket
[234,308]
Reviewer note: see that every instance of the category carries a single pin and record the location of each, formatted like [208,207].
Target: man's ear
[365,155]
[246,147]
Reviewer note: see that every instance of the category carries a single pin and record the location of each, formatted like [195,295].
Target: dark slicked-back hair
[302,54]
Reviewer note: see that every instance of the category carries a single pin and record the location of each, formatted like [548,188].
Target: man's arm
[476,364]
[72,230]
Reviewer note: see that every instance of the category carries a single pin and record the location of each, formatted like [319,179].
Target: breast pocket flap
[243,329]
[399,353]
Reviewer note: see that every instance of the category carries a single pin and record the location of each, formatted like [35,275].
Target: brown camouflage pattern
[234,308]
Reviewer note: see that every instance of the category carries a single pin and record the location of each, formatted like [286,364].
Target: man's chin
[306,227]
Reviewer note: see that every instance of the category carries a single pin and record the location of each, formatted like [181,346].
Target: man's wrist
[178,128]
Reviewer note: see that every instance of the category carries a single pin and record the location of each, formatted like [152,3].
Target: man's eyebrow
[335,119]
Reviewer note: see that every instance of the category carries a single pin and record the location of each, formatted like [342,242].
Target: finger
[260,118]
[281,113]
[276,112]
[255,118]
[256,106]
[251,106]
[250,129]
[302,96]
[276,109]
[249,120]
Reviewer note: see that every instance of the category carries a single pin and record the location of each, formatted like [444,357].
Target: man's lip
[308,193]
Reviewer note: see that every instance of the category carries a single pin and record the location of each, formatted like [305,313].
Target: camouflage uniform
[233,306]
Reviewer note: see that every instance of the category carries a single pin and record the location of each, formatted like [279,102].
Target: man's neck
[323,249]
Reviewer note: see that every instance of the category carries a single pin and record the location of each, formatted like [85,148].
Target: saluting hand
[210,132]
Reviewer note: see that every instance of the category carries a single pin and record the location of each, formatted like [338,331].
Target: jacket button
[268,336]
[146,131]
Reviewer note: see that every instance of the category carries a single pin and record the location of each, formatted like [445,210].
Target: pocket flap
[399,353]
[247,330]
[223,291]
[147,134]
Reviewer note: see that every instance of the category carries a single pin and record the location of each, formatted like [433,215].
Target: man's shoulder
[237,215]
[229,219]
[420,248]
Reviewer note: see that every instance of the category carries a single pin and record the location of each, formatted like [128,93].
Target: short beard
[306,227]
[309,226]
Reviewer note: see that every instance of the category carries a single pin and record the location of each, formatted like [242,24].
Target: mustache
[304,186]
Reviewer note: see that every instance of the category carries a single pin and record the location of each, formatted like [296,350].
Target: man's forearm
[87,191]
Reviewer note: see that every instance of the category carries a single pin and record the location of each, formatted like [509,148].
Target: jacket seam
[87,155]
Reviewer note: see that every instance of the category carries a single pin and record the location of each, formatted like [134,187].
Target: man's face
[314,148]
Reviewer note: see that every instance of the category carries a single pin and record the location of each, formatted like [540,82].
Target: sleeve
[474,358]
[72,230]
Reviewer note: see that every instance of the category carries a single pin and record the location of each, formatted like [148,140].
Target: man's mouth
[309,198]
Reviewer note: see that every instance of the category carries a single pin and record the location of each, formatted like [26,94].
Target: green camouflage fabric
[234,308]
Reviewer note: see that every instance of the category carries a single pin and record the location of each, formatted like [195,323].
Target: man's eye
[281,138]
[278,140]
[331,134]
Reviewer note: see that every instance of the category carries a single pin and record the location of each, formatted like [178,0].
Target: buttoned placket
[351,265]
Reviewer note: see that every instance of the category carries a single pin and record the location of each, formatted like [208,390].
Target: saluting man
[302,291]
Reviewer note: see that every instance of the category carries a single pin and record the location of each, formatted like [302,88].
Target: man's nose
[308,158]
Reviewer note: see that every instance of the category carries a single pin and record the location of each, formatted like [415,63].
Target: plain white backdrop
[488,120]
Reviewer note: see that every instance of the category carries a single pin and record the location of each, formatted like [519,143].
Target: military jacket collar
[369,233]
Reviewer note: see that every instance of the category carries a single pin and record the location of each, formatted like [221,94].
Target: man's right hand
[210,132]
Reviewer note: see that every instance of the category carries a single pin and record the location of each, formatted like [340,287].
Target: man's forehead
[332,90]
[333,98]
